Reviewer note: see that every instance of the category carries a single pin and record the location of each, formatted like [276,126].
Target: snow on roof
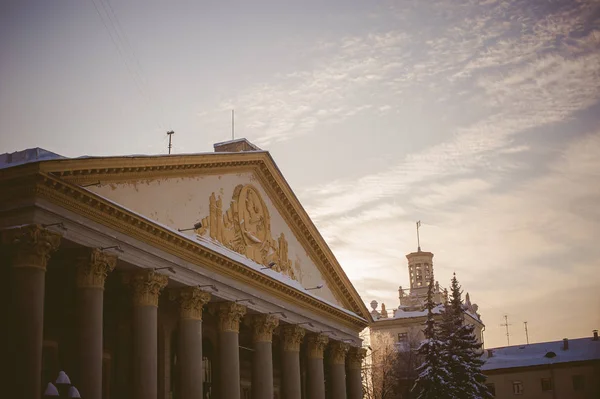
[404,314]
[217,247]
[8,160]
[535,354]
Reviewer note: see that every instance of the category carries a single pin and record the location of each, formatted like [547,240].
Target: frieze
[245,227]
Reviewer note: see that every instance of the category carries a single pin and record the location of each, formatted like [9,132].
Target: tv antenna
[170,134]
[526,333]
[418,238]
[232,124]
[506,325]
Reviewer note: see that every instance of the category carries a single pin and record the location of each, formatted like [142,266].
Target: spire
[418,238]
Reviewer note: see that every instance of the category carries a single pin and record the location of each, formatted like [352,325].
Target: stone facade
[106,288]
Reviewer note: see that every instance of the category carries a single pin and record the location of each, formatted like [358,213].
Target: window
[578,382]
[517,387]
[546,384]
[491,387]
[403,337]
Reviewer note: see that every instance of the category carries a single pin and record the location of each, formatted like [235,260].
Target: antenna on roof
[232,125]
[506,325]
[170,134]
[526,332]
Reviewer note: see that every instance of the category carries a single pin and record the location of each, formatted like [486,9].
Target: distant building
[405,323]
[567,369]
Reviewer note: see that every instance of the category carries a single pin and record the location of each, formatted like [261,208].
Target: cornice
[392,321]
[117,169]
[99,210]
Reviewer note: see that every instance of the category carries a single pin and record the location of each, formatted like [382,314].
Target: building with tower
[170,277]
[403,325]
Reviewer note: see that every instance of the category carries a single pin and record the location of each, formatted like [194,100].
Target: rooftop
[36,154]
[544,353]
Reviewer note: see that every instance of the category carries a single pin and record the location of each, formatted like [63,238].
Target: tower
[420,269]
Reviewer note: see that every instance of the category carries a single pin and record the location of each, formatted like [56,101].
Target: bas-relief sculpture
[246,229]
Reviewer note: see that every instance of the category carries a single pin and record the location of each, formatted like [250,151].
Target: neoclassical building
[180,276]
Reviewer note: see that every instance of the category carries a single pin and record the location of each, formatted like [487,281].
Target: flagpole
[418,238]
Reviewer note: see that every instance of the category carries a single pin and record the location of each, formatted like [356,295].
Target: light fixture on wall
[250,301]
[318,287]
[281,313]
[211,286]
[115,247]
[59,225]
[196,227]
[169,268]
[270,266]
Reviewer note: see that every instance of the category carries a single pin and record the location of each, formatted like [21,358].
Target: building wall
[562,376]
[414,327]
[181,202]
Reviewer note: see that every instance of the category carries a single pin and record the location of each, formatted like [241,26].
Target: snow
[51,390]
[63,378]
[219,248]
[29,155]
[534,354]
[403,314]
[74,393]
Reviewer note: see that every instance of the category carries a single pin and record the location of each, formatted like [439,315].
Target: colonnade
[32,246]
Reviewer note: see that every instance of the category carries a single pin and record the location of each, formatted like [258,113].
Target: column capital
[31,245]
[355,357]
[146,286]
[191,301]
[338,352]
[263,326]
[93,265]
[316,345]
[292,337]
[230,314]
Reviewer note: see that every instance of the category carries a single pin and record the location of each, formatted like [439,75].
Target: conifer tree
[460,350]
[432,382]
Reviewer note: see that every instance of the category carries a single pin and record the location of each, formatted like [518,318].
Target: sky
[479,118]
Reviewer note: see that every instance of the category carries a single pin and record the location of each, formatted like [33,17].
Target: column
[146,286]
[230,314]
[93,266]
[354,372]
[31,248]
[262,358]
[316,378]
[191,301]
[290,361]
[337,351]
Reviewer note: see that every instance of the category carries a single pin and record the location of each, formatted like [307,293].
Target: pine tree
[432,382]
[460,350]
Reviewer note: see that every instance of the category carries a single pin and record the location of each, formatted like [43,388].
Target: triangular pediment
[241,201]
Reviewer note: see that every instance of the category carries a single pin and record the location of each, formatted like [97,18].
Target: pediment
[241,200]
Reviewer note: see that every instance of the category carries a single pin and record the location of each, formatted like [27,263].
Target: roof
[581,349]
[410,314]
[36,154]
